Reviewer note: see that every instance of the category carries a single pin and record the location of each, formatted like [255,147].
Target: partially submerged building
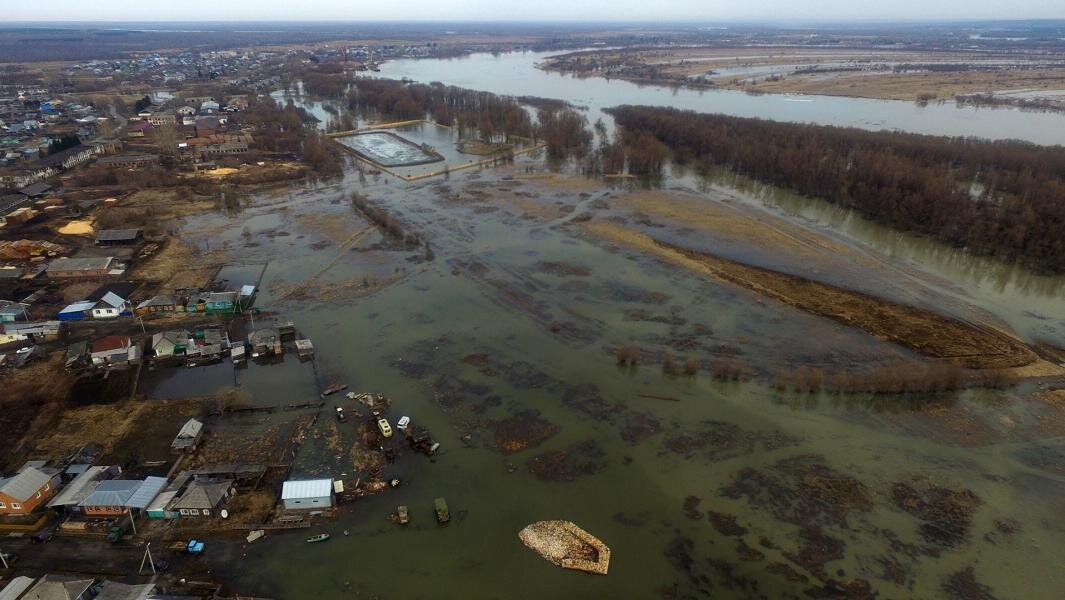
[309,494]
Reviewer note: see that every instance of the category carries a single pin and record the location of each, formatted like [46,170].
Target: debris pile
[567,546]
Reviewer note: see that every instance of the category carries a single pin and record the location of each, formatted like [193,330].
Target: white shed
[310,494]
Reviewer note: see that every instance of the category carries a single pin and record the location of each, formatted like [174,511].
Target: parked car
[42,536]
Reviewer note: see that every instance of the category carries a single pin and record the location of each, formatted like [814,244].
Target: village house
[186,111]
[113,349]
[116,497]
[188,437]
[12,311]
[69,268]
[79,488]
[202,498]
[310,494]
[117,237]
[111,306]
[24,492]
[264,342]
[60,587]
[166,344]
[156,304]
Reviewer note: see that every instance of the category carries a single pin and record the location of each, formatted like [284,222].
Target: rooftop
[25,484]
[308,488]
[92,263]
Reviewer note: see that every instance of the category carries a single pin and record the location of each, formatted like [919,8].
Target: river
[516,74]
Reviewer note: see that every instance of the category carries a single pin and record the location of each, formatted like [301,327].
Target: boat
[321,537]
[443,515]
[568,546]
[403,422]
[402,515]
[340,415]
[386,429]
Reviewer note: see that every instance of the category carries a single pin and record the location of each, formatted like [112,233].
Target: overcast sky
[512,10]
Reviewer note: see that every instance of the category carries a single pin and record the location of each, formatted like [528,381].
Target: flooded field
[504,340]
[388,149]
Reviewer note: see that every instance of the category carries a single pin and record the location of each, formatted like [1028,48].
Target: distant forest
[999,198]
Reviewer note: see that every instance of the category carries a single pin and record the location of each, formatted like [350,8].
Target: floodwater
[954,502]
[515,74]
[387,149]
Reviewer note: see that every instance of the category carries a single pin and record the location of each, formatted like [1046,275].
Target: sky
[525,10]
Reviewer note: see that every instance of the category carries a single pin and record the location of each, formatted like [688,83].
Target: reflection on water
[1029,302]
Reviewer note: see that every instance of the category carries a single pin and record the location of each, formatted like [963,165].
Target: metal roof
[113,300]
[162,500]
[113,492]
[117,235]
[309,488]
[59,587]
[25,484]
[80,306]
[80,488]
[15,588]
[147,492]
[81,264]
[113,590]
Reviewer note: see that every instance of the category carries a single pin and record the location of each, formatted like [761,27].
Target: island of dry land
[889,74]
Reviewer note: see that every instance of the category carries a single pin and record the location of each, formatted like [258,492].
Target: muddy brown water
[801,493]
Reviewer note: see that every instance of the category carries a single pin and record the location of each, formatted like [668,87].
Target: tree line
[997,198]
[489,116]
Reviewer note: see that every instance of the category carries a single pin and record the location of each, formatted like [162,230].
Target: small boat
[403,422]
[386,429]
[340,415]
[443,515]
[321,537]
[402,515]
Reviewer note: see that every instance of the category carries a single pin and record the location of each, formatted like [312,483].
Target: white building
[311,494]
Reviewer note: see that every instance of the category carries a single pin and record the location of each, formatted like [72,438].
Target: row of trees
[1001,198]
[488,116]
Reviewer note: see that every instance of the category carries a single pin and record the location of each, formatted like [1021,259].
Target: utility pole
[147,557]
[3,559]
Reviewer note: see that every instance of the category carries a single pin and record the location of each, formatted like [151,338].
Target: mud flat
[925,332]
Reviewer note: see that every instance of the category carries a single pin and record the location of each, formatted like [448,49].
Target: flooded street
[700,488]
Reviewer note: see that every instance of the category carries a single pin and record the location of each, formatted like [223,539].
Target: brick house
[23,493]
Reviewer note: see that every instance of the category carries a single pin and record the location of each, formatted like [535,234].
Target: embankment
[923,331]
